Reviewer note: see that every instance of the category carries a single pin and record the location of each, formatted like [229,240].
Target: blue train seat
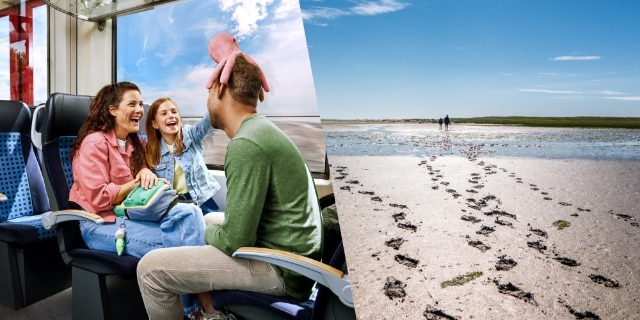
[333,299]
[104,284]
[31,268]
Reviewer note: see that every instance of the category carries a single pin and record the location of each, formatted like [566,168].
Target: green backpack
[147,205]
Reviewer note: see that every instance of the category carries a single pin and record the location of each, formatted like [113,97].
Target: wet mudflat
[547,239]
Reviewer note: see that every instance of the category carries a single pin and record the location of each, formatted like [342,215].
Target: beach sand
[411,255]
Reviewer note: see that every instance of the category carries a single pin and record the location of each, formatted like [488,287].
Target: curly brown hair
[100,119]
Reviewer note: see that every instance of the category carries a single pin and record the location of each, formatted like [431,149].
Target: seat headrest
[15,117]
[143,121]
[64,115]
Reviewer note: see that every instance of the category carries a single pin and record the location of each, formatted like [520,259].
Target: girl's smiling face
[127,114]
[167,120]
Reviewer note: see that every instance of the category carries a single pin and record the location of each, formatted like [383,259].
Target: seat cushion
[103,262]
[285,306]
[22,183]
[25,230]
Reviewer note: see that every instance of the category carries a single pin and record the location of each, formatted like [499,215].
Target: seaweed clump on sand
[460,280]
[561,224]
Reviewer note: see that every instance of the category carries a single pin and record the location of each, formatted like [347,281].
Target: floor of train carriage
[55,307]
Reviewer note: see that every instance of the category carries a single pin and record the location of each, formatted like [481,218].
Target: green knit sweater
[268,200]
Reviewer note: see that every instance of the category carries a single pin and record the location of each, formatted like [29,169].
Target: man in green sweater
[270,204]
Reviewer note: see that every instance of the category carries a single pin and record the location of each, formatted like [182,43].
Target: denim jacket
[200,183]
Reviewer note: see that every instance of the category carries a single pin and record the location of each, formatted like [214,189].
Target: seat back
[62,118]
[102,281]
[22,180]
[28,252]
[325,305]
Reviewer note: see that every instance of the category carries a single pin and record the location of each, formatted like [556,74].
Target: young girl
[175,153]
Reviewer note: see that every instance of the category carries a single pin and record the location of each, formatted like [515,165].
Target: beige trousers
[164,274]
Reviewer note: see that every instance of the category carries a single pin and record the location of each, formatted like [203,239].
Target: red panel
[21,66]
[20,45]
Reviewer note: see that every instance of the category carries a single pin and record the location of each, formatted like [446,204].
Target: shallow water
[482,140]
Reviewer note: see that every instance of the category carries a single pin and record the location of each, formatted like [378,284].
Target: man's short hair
[245,82]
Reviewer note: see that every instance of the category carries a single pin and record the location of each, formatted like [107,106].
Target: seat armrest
[3,197]
[330,277]
[50,219]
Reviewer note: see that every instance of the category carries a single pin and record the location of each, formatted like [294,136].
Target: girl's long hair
[154,137]
[100,119]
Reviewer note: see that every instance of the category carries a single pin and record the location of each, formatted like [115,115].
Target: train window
[23,51]
[164,51]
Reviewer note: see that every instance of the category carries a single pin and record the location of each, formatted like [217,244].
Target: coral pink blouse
[100,166]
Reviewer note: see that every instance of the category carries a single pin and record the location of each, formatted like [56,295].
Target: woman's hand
[125,189]
[147,178]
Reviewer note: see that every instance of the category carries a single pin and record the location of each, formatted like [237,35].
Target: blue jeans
[183,225]
[208,206]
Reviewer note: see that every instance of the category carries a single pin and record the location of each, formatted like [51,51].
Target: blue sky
[378,59]
[427,58]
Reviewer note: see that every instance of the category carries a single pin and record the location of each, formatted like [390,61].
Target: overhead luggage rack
[100,10]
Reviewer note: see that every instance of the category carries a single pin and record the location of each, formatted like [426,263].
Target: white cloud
[624,98]
[550,91]
[361,8]
[549,74]
[575,58]
[609,92]
[370,8]
[286,8]
[323,13]
[246,14]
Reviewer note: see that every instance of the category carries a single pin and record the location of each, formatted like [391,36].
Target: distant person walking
[440,123]
[446,123]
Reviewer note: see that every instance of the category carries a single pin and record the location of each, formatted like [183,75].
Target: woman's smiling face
[128,114]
